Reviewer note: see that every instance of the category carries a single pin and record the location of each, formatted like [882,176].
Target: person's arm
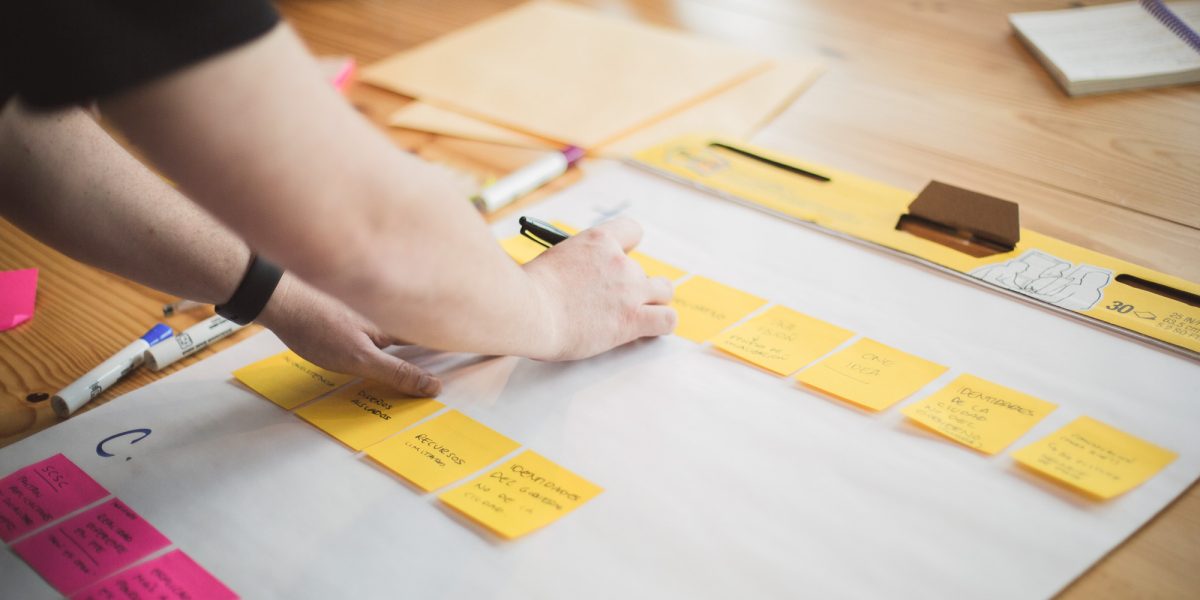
[66,182]
[256,136]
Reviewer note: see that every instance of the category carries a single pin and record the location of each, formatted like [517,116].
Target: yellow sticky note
[656,268]
[1096,458]
[521,495]
[871,374]
[706,307]
[288,380]
[523,249]
[365,413]
[979,414]
[441,450]
[782,340]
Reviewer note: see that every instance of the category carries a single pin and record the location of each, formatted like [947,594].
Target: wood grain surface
[917,90]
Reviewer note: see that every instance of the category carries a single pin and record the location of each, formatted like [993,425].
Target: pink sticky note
[42,492]
[18,290]
[172,576]
[83,549]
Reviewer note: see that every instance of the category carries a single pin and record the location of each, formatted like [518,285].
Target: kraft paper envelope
[738,112]
[565,73]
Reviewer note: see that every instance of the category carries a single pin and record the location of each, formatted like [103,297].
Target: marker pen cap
[157,334]
[94,382]
[188,342]
[159,357]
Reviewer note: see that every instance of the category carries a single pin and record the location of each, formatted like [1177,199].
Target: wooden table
[917,90]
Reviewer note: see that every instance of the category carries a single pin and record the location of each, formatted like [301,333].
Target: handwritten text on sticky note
[366,412]
[871,374]
[523,494]
[441,450]
[1098,459]
[288,380]
[979,414]
[42,492]
[82,549]
[781,340]
[172,576]
[706,307]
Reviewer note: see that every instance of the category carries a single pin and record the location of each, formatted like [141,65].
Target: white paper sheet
[721,481]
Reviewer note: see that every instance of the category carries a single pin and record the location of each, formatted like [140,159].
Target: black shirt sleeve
[58,52]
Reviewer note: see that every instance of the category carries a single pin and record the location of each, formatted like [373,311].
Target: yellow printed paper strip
[365,413]
[1095,458]
[871,374]
[979,414]
[707,307]
[782,340]
[441,450]
[288,380]
[656,268]
[521,495]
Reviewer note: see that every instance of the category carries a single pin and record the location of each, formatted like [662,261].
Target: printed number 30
[1120,307]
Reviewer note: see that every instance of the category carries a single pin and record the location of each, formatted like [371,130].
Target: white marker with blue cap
[94,382]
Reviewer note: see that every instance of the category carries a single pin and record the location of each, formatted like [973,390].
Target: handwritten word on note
[979,414]
[521,495]
[364,413]
[706,307]
[172,576]
[871,374]
[288,380]
[42,492]
[90,545]
[782,340]
[441,450]
[656,268]
[1098,459]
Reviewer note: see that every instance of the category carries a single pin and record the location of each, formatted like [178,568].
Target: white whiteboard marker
[190,341]
[94,382]
[526,179]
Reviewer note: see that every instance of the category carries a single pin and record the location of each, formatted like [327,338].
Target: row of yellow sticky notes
[974,412]
[523,494]
[1088,455]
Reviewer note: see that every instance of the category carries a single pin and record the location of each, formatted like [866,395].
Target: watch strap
[253,292]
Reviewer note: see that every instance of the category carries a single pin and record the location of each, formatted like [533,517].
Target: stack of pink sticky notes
[18,290]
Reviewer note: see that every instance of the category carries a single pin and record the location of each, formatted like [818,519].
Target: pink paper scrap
[42,492]
[89,546]
[172,576]
[18,291]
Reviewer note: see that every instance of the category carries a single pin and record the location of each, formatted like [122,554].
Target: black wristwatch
[253,292]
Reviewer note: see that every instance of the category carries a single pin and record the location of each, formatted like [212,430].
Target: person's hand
[330,335]
[595,297]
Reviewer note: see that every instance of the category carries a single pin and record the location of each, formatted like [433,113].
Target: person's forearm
[67,182]
[259,139]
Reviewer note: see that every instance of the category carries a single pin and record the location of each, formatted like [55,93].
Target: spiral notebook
[1113,47]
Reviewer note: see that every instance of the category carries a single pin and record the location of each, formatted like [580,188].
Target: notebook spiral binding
[1172,22]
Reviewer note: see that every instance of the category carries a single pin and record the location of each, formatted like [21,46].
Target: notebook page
[1116,41]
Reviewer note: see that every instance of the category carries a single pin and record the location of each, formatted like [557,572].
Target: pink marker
[344,75]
